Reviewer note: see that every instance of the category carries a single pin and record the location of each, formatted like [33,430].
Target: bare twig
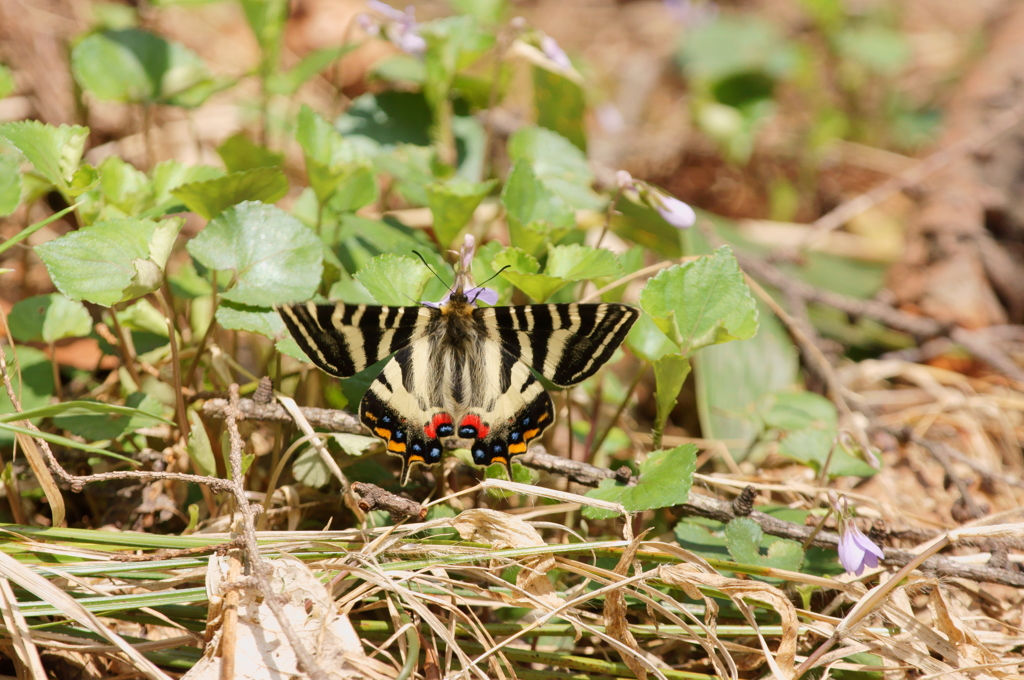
[327,419]
[260,568]
[937,161]
[373,497]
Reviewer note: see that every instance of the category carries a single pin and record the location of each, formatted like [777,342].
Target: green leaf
[700,303]
[288,82]
[561,104]
[7,83]
[811,447]
[565,264]
[169,175]
[743,538]
[330,159]
[882,50]
[647,341]
[452,204]
[558,164]
[267,19]
[48,318]
[536,215]
[356,188]
[132,65]
[10,184]
[96,421]
[670,372]
[212,197]
[262,320]
[239,154]
[799,411]
[521,272]
[33,383]
[388,119]
[394,279]
[110,261]
[310,469]
[275,257]
[665,480]
[199,449]
[453,43]
[140,406]
[124,187]
[736,44]
[488,12]
[732,379]
[576,263]
[55,152]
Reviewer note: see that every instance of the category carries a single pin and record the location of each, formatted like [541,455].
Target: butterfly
[459,370]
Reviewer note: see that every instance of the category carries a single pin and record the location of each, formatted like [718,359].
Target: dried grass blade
[42,473]
[39,586]
[24,648]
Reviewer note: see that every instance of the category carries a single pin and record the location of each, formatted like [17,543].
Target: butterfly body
[459,371]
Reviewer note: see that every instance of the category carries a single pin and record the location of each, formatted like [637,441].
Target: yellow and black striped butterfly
[459,371]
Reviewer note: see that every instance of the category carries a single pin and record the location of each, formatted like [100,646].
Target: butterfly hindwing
[410,428]
[344,339]
[566,343]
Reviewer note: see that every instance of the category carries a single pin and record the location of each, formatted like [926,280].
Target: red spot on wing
[437,420]
[473,420]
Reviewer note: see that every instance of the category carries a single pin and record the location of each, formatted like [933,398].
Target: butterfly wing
[515,411]
[344,339]
[566,343]
[402,415]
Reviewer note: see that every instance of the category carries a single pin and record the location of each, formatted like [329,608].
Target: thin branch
[260,568]
[327,419]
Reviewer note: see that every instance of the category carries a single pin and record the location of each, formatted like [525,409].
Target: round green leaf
[49,318]
[275,257]
[394,279]
[703,302]
[109,261]
[211,197]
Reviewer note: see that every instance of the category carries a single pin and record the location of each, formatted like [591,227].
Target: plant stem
[127,350]
[168,310]
[609,211]
[190,376]
[57,387]
[618,412]
[31,229]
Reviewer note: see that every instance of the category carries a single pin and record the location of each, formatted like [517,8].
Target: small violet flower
[488,295]
[552,51]
[672,210]
[856,550]
[400,27]
[466,252]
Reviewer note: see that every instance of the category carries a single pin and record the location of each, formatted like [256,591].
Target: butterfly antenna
[417,253]
[481,285]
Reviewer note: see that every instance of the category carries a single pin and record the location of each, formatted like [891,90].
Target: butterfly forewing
[566,343]
[344,339]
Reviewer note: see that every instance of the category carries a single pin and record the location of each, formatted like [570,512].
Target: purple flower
[857,550]
[463,277]
[672,210]
[552,51]
[401,28]
[488,295]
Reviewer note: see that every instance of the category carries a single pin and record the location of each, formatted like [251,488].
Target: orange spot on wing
[370,416]
[414,459]
[530,434]
[499,459]
[517,448]
[396,447]
[384,434]
[543,417]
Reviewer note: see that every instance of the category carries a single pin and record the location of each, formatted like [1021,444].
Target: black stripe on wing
[344,339]
[566,343]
